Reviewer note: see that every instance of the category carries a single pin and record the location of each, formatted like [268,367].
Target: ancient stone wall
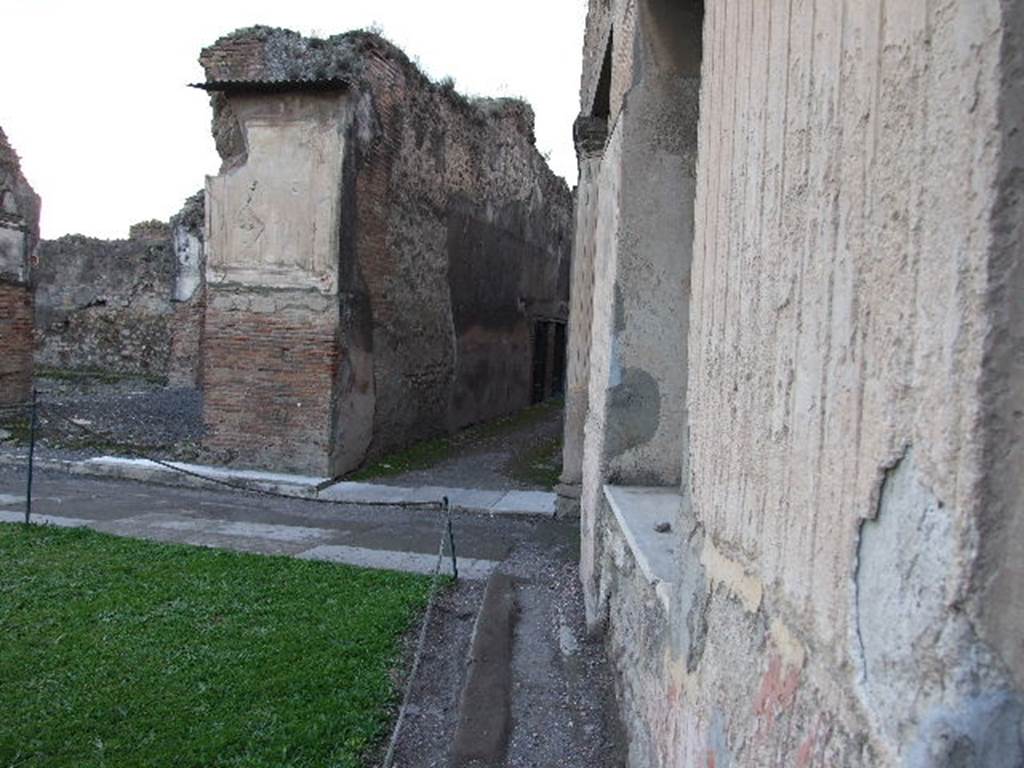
[188,301]
[476,244]
[105,305]
[123,306]
[446,238]
[841,581]
[19,237]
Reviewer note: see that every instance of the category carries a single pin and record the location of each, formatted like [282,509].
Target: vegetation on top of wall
[540,466]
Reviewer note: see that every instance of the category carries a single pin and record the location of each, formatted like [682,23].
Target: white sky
[93,95]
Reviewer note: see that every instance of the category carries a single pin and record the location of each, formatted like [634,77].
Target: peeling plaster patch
[985,732]
[634,410]
[917,652]
[188,249]
[733,576]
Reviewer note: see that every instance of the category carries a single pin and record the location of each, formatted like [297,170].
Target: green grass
[20,428]
[97,375]
[116,652]
[540,465]
[430,453]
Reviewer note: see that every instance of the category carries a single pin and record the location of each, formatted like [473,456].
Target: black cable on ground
[389,756]
[137,454]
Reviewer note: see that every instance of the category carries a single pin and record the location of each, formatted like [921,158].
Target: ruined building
[793,422]
[126,307]
[19,235]
[386,259]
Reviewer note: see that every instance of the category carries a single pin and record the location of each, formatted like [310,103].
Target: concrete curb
[145,471]
[481,736]
[470,500]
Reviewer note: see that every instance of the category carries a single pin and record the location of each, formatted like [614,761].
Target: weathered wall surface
[124,306]
[844,294]
[432,220]
[105,304]
[847,584]
[19,237]
[271,334]
[590,138]
[188,303]
[475,247]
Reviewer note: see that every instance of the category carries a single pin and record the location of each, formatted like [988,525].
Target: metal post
[31,458]
[451,537]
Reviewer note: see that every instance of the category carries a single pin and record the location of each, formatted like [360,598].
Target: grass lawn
[116,652]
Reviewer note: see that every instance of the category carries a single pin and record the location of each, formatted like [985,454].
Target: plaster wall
[272,342]
[847,591]
[13,247]
[273,221]
[843,304]
[580,322]
[636,409]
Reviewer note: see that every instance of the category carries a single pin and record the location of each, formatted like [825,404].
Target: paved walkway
[373,537]
[485,501]
[557,702]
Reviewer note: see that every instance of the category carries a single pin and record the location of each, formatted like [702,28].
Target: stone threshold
[638,512]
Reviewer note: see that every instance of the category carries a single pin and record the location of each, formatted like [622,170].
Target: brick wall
[15,343]
[268,369]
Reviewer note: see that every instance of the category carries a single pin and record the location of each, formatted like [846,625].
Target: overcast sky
[93,96]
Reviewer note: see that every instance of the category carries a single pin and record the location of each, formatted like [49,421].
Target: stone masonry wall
[19,236]
[448,237]
[105,305]
[476,242]
[123,306]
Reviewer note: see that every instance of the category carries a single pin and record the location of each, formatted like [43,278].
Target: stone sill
[637,511]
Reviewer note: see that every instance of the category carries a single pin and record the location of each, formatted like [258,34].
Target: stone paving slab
[409,562]
[60,522]
[538,503]
[526,503]
[473,500]
[303,542]
[149,471]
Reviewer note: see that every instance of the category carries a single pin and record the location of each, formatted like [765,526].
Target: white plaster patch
[189,250]
[733,576]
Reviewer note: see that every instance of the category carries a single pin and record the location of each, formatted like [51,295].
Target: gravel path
[86,417]
[489,461]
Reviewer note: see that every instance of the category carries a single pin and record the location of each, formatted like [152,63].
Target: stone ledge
[637,511]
